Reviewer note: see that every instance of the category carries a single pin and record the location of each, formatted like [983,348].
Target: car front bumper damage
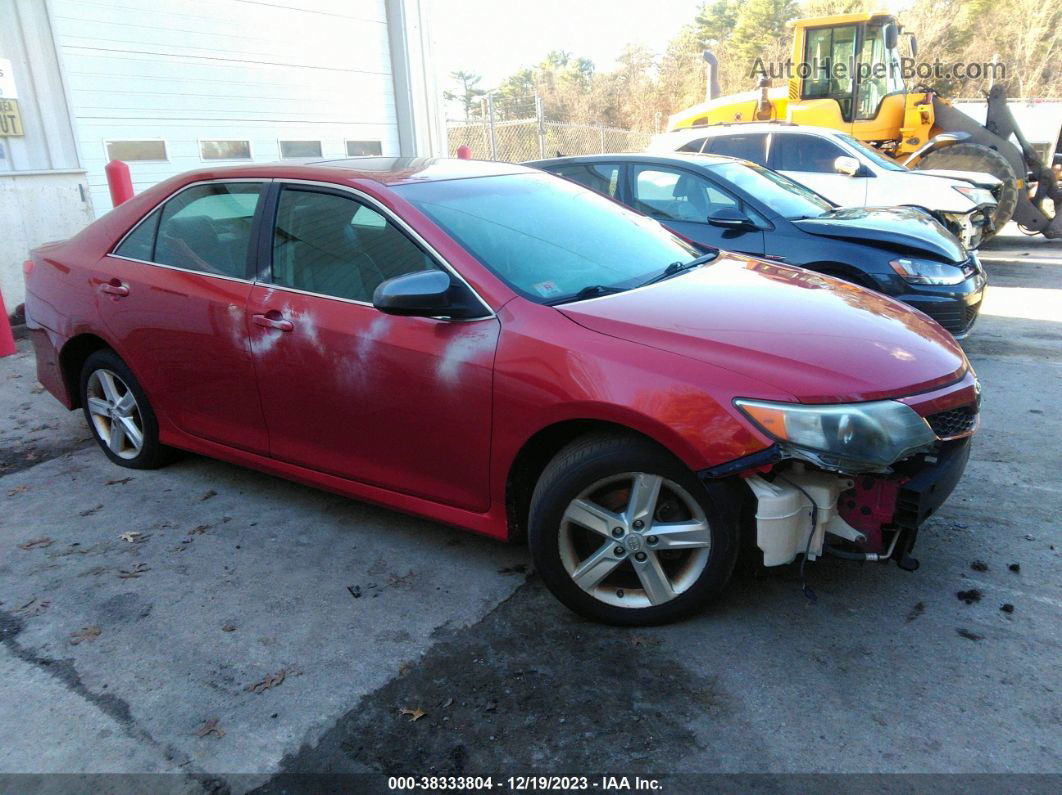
[803,510]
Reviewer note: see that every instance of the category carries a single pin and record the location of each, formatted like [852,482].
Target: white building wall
[188,70]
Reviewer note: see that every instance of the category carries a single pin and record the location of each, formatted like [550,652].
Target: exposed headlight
[852,437]
[927,272]
[976,195]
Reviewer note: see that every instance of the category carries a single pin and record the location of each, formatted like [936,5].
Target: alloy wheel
[115,414]
[634,540]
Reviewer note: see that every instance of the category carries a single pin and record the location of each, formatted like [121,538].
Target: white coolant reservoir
[783,512]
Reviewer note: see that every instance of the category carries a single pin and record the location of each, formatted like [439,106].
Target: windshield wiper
[676,268]
[590,291]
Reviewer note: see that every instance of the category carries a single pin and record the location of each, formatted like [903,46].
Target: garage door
[178,85]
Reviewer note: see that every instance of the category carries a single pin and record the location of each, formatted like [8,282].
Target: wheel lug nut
[651,540]
[617,531]
[640,557]
[638,524]
[620,551]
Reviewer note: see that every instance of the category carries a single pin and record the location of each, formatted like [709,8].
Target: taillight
[27,266]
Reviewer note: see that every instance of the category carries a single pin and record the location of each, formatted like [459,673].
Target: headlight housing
[848,437]
[976,195]
[917,271]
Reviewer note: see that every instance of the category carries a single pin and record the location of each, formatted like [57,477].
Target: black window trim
[252,253]
[264,241]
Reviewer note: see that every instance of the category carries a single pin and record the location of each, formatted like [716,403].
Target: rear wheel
[974,157]
[118,413]
[622,532]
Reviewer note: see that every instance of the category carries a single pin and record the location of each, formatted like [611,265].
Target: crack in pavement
[111,705]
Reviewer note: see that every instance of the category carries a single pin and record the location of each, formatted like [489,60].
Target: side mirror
[730,217]
[846,165]
[891,36]
[425,294]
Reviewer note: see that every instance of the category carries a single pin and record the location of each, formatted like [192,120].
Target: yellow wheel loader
[846,73]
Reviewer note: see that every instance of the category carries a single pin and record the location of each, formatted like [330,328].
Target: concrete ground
[229,627]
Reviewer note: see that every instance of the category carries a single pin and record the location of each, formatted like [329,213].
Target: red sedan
[499,349]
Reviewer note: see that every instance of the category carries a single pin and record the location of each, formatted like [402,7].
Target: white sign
[7,80]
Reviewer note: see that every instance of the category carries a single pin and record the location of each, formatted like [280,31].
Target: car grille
[953,422]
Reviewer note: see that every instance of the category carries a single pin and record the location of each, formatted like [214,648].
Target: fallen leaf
[34,607]
[132,536]
[120,482]
[970,596]
[210,727]
[133,573]
[35,543]
[270,681]
[414,714]
[965,633]
[84,634]
[449,702]
[355,591]
[18,490]
[200,529]
[228,628]
[207,495]
[36,390]
[916,611]
[90,511]
[405,668]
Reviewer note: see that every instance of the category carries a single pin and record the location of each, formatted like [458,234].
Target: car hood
[902,227]
[978,178]
[819,339]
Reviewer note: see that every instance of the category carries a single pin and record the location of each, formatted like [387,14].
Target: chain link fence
[531,139]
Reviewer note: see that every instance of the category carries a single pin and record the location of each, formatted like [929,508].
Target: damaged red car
[499,349]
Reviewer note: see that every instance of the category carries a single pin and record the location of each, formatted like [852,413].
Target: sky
[494,38]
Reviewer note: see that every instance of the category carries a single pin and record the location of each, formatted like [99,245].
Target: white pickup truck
[847,172]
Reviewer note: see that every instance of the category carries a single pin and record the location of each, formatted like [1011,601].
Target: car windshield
[781,194]
[547,238]
[871,154]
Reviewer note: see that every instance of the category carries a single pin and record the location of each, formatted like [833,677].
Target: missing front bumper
[804,511]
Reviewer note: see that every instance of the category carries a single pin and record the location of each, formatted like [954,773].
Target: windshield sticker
[547,289]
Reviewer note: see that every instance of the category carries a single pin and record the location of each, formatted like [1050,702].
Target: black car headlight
[850,437]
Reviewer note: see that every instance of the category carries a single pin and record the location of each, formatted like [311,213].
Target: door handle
[115,287]
[277,322]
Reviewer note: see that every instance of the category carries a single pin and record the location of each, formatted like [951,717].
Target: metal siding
[208,69]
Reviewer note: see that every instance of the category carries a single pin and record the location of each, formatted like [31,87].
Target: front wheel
[622,532]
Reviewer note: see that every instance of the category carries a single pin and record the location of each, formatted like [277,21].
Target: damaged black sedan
[735,205]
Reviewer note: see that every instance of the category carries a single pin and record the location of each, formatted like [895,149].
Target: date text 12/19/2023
[541,783]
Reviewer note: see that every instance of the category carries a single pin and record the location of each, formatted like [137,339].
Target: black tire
[151,454]
[603,456]
[975,157]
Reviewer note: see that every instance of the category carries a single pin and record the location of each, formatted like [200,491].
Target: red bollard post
[464,153]
[7,339]
[119,181]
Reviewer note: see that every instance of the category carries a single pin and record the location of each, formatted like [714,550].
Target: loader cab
[847,75]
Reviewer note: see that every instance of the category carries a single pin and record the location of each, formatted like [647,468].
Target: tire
[593,478]
[975,157]
[115,406]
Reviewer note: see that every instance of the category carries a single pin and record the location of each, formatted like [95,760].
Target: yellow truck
[846,73]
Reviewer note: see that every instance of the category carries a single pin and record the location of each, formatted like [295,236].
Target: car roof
[676,158]
[712,130]
[383,170]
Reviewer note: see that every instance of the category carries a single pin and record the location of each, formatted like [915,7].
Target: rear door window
[207,228]
[746,146]
[672,195]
